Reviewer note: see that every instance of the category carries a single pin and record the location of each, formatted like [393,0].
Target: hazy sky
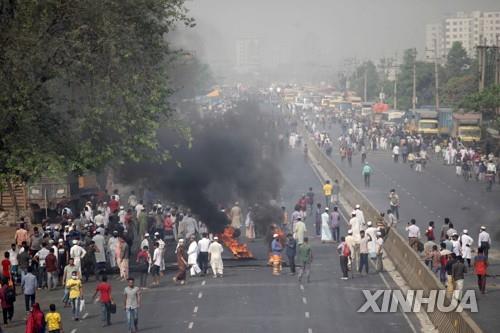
[323,31]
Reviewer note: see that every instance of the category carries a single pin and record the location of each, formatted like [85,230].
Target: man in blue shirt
[367,171]
[29,284]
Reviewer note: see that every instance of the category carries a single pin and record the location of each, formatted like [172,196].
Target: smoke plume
[234,157]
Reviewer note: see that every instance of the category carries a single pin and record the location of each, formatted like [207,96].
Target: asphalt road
[250,299]
[432,195]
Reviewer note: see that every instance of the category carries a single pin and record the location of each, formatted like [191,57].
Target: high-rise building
[434,42]
[470,29]
[248,54]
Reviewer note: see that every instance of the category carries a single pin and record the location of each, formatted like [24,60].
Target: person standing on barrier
[413,234]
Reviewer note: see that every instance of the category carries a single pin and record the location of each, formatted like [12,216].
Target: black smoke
[234,156]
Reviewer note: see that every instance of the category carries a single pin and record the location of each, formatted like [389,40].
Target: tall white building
[434,42]
[470,29]
[248,54]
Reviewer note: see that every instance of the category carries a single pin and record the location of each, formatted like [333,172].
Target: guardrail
[406,261]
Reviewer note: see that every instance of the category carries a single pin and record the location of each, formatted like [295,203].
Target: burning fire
[239,250]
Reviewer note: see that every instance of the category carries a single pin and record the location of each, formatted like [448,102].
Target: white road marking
[203,282]
[190,326]
[200,294]
[195,310]
[304,300]
[425,207]
[74,330]
[307,315]
[309,330]
[85,315]
[301,287]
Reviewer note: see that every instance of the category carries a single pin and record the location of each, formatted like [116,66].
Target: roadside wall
[405,259]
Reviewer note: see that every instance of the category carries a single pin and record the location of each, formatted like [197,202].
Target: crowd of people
[107,238]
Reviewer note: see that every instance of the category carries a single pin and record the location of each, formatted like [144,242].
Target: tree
[372,80]
[83,83]
[457,88]
[486,101]
[458,62]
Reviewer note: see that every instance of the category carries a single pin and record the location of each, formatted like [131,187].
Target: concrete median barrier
[407,262]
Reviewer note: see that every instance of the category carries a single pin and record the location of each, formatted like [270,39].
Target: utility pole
[497,60]
[482,63]
[365,79]
[414,95]
[436,74]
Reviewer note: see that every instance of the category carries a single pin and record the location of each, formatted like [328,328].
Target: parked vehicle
[467,126]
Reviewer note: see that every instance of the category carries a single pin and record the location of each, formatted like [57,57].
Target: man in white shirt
[145,241]
[139,208]
[203,245]
[484,241]
[42,272]
[100,254]
[215,256]
[161,244]
[361,217]
[112,244]
[466,244]
[13,252]
[77,253]
[157,262]
[413,234]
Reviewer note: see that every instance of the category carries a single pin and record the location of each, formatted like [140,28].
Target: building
[248,54]
[470,29]
[434,42]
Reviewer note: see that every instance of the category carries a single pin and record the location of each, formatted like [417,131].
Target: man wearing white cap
[326,234]
[351,242]
[77,253]
[145,241]
[361,217]
[215,256]
[276,249]
[161,243]
[484,241]
[299,231]
[112,245]
[100,254]
[466,242]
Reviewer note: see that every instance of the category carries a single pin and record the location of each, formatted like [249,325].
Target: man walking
[335,218]
[203,245]
[363,252]
[291,250]
[75,288]
[132,303]
[104,290]
[413,234]
[305,258]
[29,285]
[484,241]
[345,254]
[215,256]
[327,191]
[458,271]
[394,202]
[366,172]
[480,269]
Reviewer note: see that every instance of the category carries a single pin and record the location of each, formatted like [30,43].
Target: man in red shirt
[104,290]
[51,267]
[114,204]
[6,265]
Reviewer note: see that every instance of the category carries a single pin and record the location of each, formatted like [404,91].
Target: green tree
[458,62]
[83,83]
[372,80]
[486,101]
[453,91]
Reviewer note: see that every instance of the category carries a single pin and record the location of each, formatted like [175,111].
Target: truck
[445,121]
[426,122]
[467,126]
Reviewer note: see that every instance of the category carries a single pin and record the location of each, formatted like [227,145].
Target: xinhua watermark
[382,301]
